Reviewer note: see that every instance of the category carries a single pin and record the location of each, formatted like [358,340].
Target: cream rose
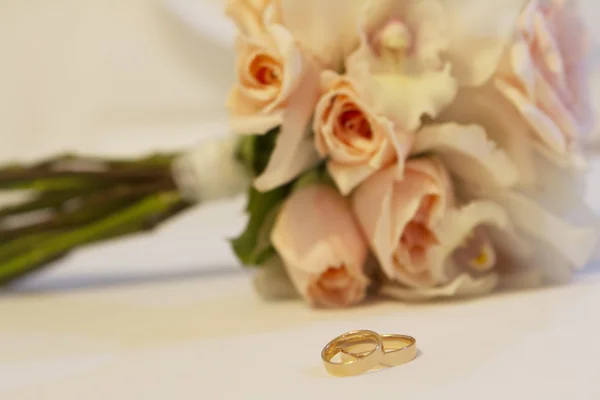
[355,138]
[322,247]
[545,75]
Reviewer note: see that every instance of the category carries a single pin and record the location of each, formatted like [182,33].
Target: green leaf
[255,151]
[245,152]
[253,247]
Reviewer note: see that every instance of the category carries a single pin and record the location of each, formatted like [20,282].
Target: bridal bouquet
[415,149]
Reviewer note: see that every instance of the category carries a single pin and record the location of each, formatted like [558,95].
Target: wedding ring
[353,363]
[397,350]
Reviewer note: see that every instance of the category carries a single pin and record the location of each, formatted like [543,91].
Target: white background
[171,315]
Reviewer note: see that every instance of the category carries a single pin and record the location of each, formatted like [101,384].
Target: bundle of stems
[72,201]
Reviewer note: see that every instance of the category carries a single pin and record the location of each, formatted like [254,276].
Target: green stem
[27,175]
[138,217]
[50,200]
[92,207]
[23,244]
[52,184]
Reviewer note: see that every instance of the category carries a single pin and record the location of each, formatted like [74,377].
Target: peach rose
[463,261]
[399,217]
[357,140]
[545,75]
[322,248]
[277,85]
[269,70]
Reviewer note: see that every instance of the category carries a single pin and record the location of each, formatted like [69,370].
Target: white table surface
[171,315]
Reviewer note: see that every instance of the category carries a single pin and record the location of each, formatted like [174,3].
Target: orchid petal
[464,285]
[327,29]
[575,244]
[456,227]
[479,32]
[502,123]
[406,98]
[468,153]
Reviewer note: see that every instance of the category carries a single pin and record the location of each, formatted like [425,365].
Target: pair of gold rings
[357,352]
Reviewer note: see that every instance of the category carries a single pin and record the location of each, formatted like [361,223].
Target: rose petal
[542,124]
[372,204]
[255,124]
[294,151]
[469,154]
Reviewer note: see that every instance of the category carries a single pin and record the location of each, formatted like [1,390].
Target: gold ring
[397,350]
[353,364]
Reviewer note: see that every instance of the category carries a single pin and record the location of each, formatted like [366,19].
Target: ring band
[397,350]
[355,364]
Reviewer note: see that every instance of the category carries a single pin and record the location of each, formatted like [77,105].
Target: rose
[322,247]
[399,217]
[545,74]
[269,69]
[426,245]
[277,85]
[348,130]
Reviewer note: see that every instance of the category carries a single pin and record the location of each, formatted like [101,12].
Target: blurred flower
[535,110]
[545,74]
[551,231]
[272,281]
[322,247]
[349,131]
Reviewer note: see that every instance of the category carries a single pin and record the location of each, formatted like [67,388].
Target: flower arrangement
[417,149]
[424,148]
